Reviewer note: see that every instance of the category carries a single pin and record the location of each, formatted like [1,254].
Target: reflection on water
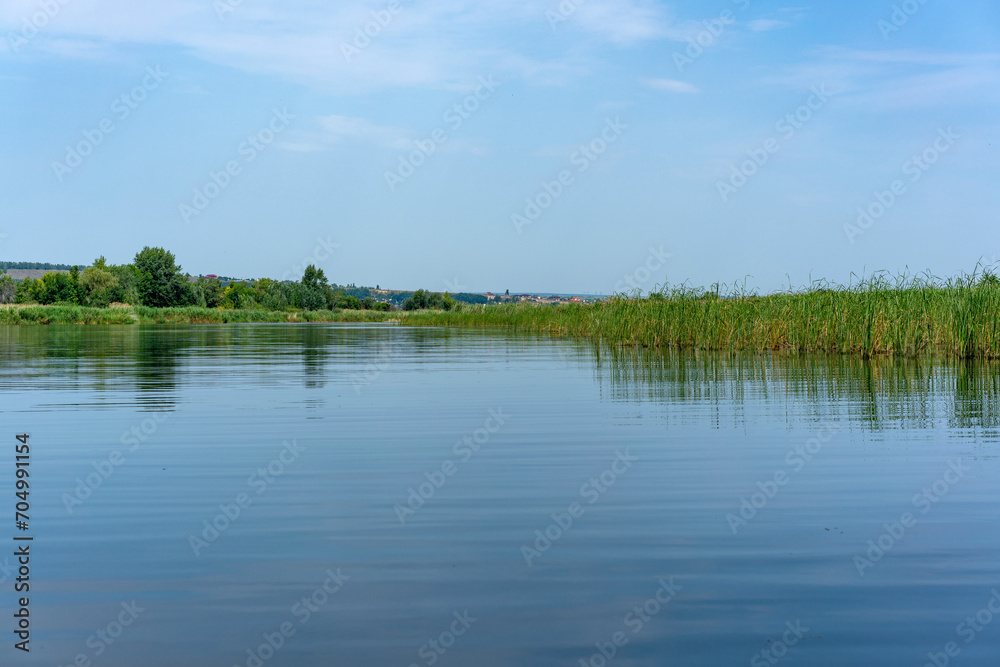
[875,393]
[364,495]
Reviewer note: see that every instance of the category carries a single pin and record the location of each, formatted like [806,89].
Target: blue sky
[697,141]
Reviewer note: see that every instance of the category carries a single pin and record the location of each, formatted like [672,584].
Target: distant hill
[21,274]
[36,266]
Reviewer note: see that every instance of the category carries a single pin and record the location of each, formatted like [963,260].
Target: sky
[573,146]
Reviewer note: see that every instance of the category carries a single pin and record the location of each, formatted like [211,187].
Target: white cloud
[903,78]
[340,128]
[428,43]
[333,130]
[624,21]
[763,25]
[671,85]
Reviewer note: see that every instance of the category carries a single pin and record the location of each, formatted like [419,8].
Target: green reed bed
[64,315]
[878,316]
[35,314]
[905,318]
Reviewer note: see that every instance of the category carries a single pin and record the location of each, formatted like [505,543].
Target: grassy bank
[34,314]
[959,318]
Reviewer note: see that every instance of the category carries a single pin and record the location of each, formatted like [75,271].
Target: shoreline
[960,320]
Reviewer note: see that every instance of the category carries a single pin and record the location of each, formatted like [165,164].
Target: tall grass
[34,314]
[904,316]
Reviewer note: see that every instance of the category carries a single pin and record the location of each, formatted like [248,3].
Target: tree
[417,301]
[313,277]
[312,298]
[212,289]
[127,290]
[239,295]
[96,285]
[161,283]
[29,290]
[57,288]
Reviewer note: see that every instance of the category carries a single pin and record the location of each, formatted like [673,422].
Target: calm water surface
[409,496]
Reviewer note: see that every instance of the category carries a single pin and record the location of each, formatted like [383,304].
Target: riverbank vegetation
[907,316]
[154,279]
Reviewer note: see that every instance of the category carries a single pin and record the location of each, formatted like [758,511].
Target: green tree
[57,288]
[213,291]
[239,295]
[127,290]
[28,290]
[97,285]
[160,281]
[312,298]
[313,277]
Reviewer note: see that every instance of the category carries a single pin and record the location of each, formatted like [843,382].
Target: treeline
[155,279]
[400,298]
[423,300]
[37,266]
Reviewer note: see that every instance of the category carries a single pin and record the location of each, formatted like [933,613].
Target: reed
[904,316]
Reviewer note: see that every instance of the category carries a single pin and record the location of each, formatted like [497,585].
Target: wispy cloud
[346,128]
[331,131]
[626,21]
[428,43]
[763,25]
[671,85]
[903,78]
